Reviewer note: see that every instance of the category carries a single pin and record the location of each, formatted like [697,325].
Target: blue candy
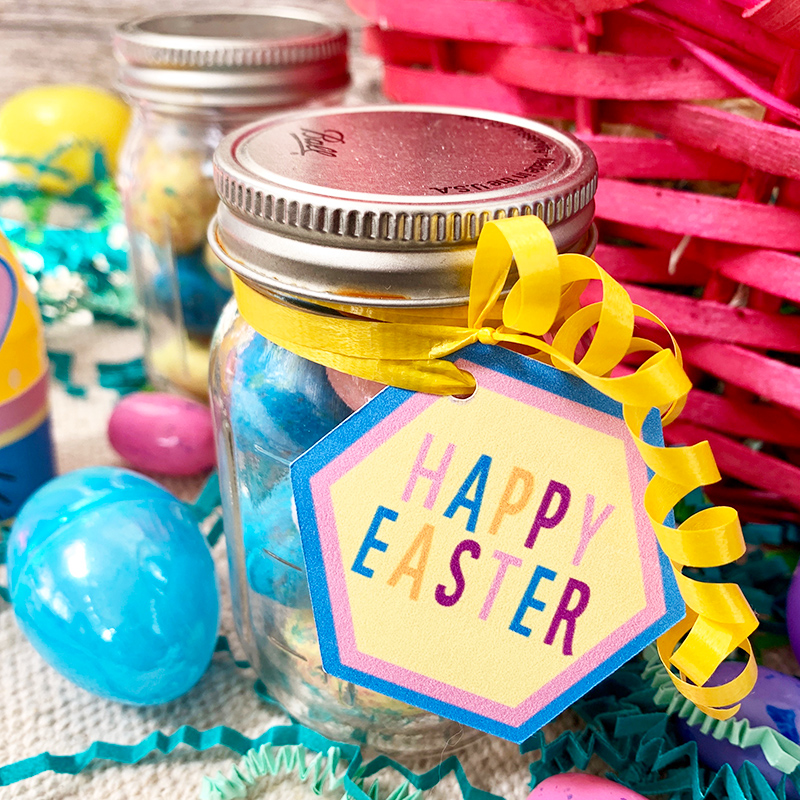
[275,566]
[201,297]
[281,405]
[114,585]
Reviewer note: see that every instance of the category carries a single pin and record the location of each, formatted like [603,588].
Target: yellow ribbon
[542,312]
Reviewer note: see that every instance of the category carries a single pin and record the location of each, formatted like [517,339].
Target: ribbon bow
[542,312]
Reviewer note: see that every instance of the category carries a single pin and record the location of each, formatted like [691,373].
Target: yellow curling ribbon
[404,348]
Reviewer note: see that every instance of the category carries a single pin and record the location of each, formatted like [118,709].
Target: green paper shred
[693,502]
[5,529]
[125,377]
[81,270]
[629,725]
[323,771]
[224,646]
[780,752]
[208,509]
[353,780]
[62,372]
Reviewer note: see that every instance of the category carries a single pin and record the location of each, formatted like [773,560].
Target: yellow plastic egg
[69,123]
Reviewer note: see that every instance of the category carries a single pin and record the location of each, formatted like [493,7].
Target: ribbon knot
[543,312]
[487,335]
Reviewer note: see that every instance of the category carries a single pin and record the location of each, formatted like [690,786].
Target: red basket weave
[698,197]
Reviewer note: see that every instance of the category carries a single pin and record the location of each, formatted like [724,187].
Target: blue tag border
[357,425]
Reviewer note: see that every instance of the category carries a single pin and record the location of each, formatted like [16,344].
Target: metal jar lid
[382,205]
[223,59]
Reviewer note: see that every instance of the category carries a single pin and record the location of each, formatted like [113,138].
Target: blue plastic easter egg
[773,703]
[114,585]
[201,297]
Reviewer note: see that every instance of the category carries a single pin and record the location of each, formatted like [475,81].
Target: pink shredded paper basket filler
[692,109]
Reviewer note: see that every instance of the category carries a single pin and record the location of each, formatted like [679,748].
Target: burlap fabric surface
[41,711]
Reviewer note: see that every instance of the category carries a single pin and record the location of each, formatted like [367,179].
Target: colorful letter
[422,543]
[529,600]
[474,549]
[478,475]
[506,561]
[567,614]
[589,528]
[372,542]
[542,520]
[506,506]
[435,476]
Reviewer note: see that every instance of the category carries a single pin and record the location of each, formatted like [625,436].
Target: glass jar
[377,206]
[192,78]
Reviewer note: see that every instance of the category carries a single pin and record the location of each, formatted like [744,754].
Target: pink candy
[576,786]
[163,433]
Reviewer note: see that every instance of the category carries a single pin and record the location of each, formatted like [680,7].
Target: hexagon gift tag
[488,559]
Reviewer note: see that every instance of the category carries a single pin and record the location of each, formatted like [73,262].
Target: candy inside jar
[371,232]
[170,197]
[191,78]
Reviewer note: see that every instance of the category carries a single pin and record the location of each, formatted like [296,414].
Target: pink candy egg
[354,391]
[577,786]
[163,433]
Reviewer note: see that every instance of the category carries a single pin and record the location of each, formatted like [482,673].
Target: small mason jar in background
[191,78]
[378,206]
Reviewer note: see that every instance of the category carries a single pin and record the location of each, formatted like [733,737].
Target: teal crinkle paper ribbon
[123,376]
[631,730]
[72,269]
[284,748]
[628,725]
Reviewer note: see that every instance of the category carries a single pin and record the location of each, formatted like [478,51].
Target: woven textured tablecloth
[40,710]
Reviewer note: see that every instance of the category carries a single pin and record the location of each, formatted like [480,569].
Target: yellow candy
[172,199]
[37,122]
[185,367]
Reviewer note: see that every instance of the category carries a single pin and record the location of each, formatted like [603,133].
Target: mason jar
[191,78]
[375,207]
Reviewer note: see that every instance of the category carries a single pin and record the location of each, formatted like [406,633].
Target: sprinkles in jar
[192,78]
